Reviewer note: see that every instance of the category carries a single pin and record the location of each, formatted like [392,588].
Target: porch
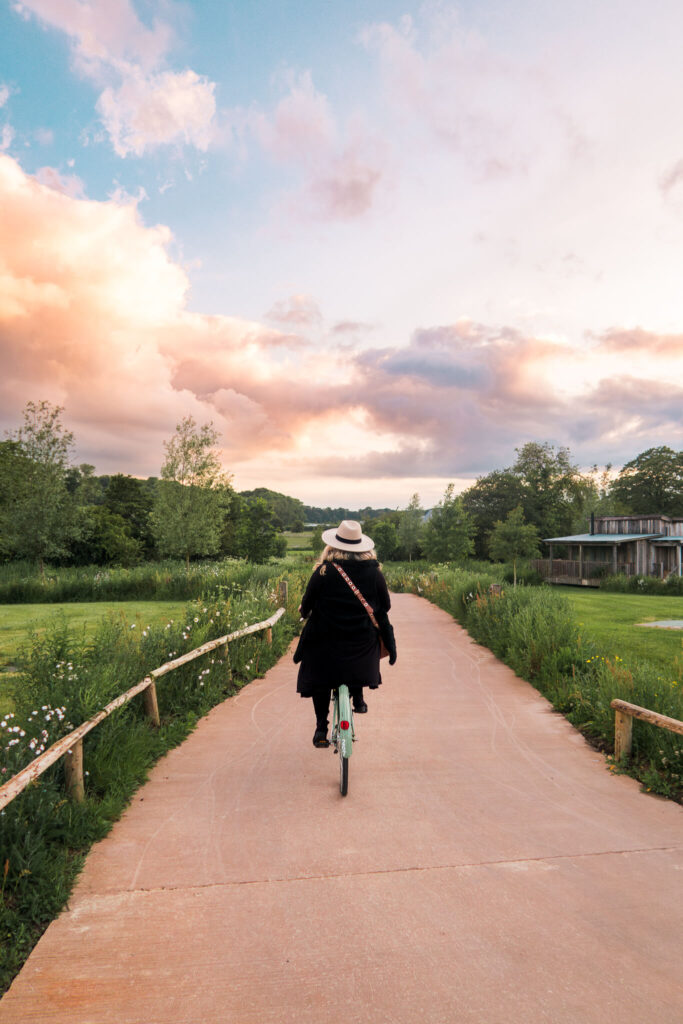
[580,573]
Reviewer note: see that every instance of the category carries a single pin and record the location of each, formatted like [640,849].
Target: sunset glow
[379,245]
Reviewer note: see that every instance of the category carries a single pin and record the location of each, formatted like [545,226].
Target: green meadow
[615,624]
[19,621]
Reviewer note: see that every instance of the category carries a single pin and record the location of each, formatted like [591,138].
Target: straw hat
[348,536]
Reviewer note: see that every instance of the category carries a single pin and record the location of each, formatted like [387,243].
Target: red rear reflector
[343,725]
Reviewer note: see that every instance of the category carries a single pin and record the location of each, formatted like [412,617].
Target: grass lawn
[17,619]
[298,541]
[612,622]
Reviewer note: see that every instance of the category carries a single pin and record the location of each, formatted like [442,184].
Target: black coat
[340,643]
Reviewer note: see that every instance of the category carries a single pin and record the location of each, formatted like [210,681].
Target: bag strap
[358,594]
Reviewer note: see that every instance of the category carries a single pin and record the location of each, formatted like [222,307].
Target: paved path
[485,868]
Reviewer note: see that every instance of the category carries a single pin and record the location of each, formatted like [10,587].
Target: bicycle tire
[343,774]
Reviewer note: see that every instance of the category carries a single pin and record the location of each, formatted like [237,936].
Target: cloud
[297,311]
[142,104]
[67,184]
[671,179]
[6,137]
[340,167]
[300,126]
[346,191]
[4,94]
[103,32]
[157,110]
[638,340]
[93,315]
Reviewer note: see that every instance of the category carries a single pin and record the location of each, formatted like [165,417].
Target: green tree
[512,539]
[105,539]
[13,470]
[554,491]
[410,527]
[652,483]
[259,534]
[488,500]
[449,530]
[385,536]
[39,519]
[132,500]
[188,508]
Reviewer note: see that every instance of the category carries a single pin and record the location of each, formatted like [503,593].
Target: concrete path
[485,868]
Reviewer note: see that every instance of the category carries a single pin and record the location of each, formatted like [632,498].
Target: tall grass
[64,680]
[21,583]
[534,631]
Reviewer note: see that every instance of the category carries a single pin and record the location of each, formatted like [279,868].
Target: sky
[379,245]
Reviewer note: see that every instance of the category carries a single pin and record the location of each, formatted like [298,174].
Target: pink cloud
[639,340]
[297,311]
[346,191]
[103,31]
[155,110]
[340,166]
[67,184]
[142,105]
[300,127]
[93,315]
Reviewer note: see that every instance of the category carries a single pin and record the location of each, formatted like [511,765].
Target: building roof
[604,538]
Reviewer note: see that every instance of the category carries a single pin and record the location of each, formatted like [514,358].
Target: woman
[340,643]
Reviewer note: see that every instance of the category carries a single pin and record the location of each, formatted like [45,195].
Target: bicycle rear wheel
[343,774]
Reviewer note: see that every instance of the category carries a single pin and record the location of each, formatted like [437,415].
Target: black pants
[321,703]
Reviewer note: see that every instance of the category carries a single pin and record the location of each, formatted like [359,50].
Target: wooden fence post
[623,735]
[224,660]
[151,704]
[269,635]
[283,592]
[73,769]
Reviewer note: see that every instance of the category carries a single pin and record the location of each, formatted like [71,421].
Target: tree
[512,539]
[652,483]
[385,536]
[39,517]
[188,512]
[449,530]
[259,534]
[554,491]
[490,499]
[132,500]
[410,527]
[105,539]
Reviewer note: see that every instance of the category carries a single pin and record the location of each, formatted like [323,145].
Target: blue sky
[379,244]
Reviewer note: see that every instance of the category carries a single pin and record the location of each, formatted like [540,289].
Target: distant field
[16,621]
[612,621]
[298,541]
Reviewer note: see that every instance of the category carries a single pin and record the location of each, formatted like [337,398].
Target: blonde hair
[330,554]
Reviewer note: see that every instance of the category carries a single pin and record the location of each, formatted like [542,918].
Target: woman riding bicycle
[339,643]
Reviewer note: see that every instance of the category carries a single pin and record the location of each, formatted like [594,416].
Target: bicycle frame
[342,738]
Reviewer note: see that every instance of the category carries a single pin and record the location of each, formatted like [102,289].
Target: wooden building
[647,545]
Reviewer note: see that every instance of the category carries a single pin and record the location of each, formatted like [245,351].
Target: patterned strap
[358,594]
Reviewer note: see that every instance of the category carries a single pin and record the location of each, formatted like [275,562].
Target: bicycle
[343,735]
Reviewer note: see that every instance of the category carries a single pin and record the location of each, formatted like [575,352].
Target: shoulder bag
[383,652]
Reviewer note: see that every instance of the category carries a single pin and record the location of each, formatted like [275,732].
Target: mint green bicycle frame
[343,734]
[343,712]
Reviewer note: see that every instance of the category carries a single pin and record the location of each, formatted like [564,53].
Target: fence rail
[624,713]
[71,746]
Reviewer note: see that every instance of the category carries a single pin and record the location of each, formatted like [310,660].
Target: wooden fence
[624,713]
[71,746]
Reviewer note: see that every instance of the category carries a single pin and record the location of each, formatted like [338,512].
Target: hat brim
[330,537]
